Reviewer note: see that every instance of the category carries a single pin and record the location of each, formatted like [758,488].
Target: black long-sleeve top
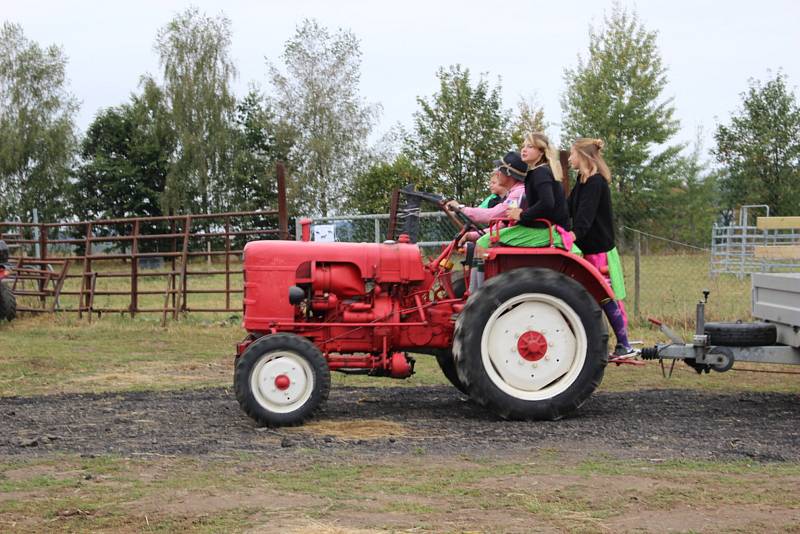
[545,199]
[592,217]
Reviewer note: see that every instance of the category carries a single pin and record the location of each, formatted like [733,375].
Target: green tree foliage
[373,188]
[125,159]
[760,149]
[689,205]
[37,139]
[528,119]
[194,52]
[616,95]
[458,133]
[317,98]
[259,143]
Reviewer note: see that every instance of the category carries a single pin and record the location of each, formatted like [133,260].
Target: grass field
[555,490]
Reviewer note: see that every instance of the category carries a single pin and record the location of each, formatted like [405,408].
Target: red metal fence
[125,250]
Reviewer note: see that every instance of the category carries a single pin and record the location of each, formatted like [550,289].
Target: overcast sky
[711,48]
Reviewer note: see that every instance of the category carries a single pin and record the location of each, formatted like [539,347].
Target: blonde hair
[589,151]
[549,154]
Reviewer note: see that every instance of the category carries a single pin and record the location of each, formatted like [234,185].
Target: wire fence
[435,229]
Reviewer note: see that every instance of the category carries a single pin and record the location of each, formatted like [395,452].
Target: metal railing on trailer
[770,245]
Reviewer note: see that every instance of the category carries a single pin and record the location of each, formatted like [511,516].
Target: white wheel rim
[554,370]
[282,395]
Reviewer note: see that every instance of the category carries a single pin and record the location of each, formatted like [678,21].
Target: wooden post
[83,301]
[563,157]
[227,263]
[637,275]
[42,256]
[185,259]
[392,229]
[173,272]
[283,215]
[134,305]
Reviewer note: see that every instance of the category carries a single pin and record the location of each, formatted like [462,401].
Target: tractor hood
[382,263]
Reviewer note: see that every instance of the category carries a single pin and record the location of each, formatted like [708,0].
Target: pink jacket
[484,215]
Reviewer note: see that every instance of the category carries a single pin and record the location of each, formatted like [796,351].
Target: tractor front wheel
[281,380]
[531,344]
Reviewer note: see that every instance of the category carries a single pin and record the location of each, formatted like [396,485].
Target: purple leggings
[614,309]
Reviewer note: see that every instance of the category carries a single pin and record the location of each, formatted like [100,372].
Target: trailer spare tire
[531,344]
[741,334]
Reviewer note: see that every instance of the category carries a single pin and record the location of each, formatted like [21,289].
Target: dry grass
[353,430]
[310,492]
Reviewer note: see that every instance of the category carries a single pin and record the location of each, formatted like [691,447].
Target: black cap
[512,165]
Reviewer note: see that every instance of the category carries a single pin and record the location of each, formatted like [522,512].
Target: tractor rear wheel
[531,344]
[444,357]
[281,380]
[8,303]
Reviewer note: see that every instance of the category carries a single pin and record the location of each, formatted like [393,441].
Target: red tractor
[530,343]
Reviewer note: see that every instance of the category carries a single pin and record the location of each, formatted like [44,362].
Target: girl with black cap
[510,173]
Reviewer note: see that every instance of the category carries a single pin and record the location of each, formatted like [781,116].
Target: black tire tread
[299,345]
[447,364]
[8,303]
[741,334]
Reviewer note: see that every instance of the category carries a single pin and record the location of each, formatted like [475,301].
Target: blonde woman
[544,199]
[593,231]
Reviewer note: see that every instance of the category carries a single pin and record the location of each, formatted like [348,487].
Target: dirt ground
[649,424]
[409,436]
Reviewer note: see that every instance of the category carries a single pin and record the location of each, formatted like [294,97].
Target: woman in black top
[593,230]
[544,199]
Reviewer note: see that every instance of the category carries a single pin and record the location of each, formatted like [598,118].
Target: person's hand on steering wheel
[453,205]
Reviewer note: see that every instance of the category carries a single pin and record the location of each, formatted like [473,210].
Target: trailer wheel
[281,380]
[741,334]
[447,364]
[8,303]
[531,344]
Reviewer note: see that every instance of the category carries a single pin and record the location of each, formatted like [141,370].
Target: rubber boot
[617,320]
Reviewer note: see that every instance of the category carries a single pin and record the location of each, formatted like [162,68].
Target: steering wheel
[461,219]
[458,217]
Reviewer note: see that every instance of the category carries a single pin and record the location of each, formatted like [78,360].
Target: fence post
[40,233]
[227,263]
[134,305]
[36,233]
[637,274]
[283,216]
[184,261]
[377,230]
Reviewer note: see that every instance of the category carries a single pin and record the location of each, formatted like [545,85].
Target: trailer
[774,336]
